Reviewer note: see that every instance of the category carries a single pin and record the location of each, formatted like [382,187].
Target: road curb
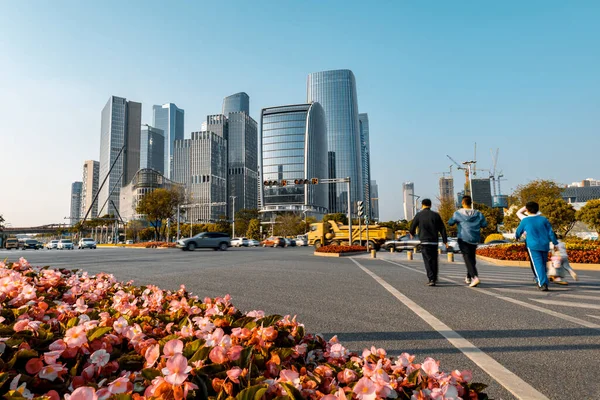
[525,264]
[354,253]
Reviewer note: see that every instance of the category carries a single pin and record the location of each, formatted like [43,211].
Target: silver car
[210,240]
[65,244]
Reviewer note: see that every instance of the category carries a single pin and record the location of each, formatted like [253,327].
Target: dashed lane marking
[568,304]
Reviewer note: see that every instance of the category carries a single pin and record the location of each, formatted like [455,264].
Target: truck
[331,232]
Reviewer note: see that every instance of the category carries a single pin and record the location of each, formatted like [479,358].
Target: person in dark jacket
[469,222]
[429,224]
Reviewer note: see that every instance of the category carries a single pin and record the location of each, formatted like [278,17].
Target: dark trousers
[468,251]
[430,258]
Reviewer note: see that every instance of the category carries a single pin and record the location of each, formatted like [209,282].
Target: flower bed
[332,248]
[66,333]
[584,253]
[152,245]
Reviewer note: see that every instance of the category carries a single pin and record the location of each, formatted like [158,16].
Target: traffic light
[283,182]
[361,209]
[314,181]
[301,181]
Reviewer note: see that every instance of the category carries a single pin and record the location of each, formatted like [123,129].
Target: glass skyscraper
[170,119]
[152,153]
[336,92]
[294,146]
[120,126]
[365,155]
[242,163]
[374,201]
[239,102]
[75,202]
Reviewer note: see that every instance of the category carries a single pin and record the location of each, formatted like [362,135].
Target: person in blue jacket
[539,234]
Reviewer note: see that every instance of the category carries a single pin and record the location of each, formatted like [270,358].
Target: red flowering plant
[585,253]
[67,334]
[333,248]
[149,245]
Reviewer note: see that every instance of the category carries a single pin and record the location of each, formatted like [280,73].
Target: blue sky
[434,77]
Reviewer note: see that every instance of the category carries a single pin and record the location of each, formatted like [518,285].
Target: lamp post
[233,215]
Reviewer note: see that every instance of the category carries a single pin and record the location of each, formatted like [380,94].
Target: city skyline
[442,82]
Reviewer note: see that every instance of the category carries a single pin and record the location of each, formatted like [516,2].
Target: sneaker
[544,288]
[468,280]
[573,274]
[559,281]
[474,282]
[431,283]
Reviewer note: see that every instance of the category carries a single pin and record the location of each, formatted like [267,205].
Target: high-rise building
[336,92]
[447,188]
[374,201]
[365,159]
[481,191]
[120,128]
[408,194]
[239,102]
[75,214]
[152,153]
[170,119]
[91,175]
[294,146]
[218,124]
[200,163]
[242,162]
[143,182]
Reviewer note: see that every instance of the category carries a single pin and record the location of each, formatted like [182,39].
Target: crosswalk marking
[579,296]
[594,316]
[568,304]
[525,291]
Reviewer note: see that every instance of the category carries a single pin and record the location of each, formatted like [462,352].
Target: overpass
[31,230]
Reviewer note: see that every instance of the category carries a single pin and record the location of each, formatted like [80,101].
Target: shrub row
[578,253]
[332,248]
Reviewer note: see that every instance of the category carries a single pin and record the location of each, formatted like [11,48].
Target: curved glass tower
[336,92]
[239,102]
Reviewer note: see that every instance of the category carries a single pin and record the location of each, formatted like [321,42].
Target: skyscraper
[120,128]
[408,194]
[447,188]
[365,156]
[481,191]
[218,124]
[294,146]
[242,162]
[336,92]
[152,154]
[75,214]
[91,175]
[239,102]
[374,201]
[170,119]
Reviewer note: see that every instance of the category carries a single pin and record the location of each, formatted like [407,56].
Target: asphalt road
[522,342]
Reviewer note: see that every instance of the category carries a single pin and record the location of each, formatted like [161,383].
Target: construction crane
[466,166]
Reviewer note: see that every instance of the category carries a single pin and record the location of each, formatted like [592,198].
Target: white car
[239,242]
[253,243]
[87,243]
[53,244]
[65,244]
[301,241]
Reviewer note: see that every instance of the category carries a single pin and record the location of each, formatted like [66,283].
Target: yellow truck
[331,232]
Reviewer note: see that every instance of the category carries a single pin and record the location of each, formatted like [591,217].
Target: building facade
[75,214]
[481,191]
[91,176]
[294,146]
[200,163]
[152,153]
[336,92]
[120,128]
[447,188]
[365,159]
[408,195]
[374,201]
[170,119]
[242,162]
[218,124]
[239,102]
[143,182]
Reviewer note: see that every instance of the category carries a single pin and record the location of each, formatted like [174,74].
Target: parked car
[129,241]
[211,240]
[404,242]
[301,240]
[239,242]
[11,243]
[40,245]
[87,243]
[30,244]
[497,242]
[53,244]
[290,242]
[253,243]
[273,242]
[452,245]
[65,244]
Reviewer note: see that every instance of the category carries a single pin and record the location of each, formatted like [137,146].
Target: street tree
[133,229]
[243,218]
[446,210]
[493,216]
[590,214]
[560,214]
[159,206]
[253,231]
[337,217]
[288,224]
[541,191]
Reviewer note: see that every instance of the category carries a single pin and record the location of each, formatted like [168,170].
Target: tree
[222,225]
[159,206]
[337,217]
[590,214]
[446,210]
[560,214]
[288,224]
[401,225]
[243,218]
[253,231]
[133,229]
[493,216]
[541,191]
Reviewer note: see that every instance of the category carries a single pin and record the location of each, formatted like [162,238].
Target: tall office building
[408,194]
[200,163]
[374,201]
[218,124]
[91,175]
[242,162]
[336,92]
[170,119]
[75,214]
[481,191]
[152,153]
[120,128]
[365,159]
[447,188]
[239,102]
[294,146]
[144,181]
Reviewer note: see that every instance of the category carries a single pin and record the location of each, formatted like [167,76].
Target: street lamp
[233,215]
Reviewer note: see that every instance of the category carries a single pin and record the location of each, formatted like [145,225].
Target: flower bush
[584,253]
[67,334]
[333,248]
[494,236]
[152,245]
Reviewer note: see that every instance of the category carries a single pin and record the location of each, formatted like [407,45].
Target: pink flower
[235,352]
[58,345]
[233,374]
[462,376]
[290,376]
[173,347]
[28,292]
[218,355]
[120,324]
[21,325]
[50,357]
[51,372]
[337,351]
[34,366]
[100,358]
[152,353]
[82,393]
[80,305]
[204,324]
[75,337]
[430,366]
[347,376]
[177,369]
[365,389]
[120,385]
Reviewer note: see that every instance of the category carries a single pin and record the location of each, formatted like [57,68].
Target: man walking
[539,234]
[429,224]
[469,222]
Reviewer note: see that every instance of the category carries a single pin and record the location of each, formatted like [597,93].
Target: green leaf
[292,391]
[26,354]
[212,369]
[244,359]
[283,352]
[4,378]
[72,322]
[164,340]
[98,332]
[240,322]
[253,392]
[201,354]
[185,321]
[414,376]
[131,362]
[13,395]
[150,373]
[121,396]
[191,348]
[269,320]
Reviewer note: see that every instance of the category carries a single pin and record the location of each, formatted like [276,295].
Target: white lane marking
[506,378]
[486,278]
[568,304]
[529,292]
[565,317]
[594,316]
[579,296]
